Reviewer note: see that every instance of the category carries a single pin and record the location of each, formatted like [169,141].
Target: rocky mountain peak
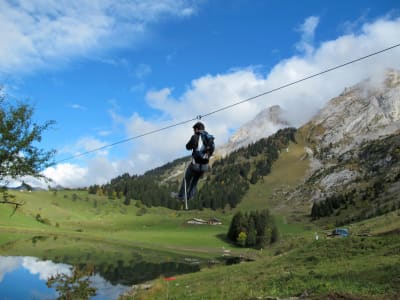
[265,123]
[366,111]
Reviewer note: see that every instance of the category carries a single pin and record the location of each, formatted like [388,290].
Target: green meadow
[75,214]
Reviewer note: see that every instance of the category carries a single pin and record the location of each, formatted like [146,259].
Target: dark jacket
[193,142]
[193,145]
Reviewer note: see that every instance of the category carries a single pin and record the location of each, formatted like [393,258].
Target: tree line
[367,201]
[147,189]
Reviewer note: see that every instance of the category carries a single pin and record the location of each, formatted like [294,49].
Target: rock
[265,123]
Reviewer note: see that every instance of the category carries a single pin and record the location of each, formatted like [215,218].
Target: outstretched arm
[193,142]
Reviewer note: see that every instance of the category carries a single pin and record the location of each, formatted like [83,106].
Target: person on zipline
[202,145]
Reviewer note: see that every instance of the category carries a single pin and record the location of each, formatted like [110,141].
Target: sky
[106,71]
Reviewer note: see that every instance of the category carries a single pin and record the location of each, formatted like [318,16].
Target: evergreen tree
[251,233]
[237,225]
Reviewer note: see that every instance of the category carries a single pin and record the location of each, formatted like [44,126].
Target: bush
[42,220]
[141,211]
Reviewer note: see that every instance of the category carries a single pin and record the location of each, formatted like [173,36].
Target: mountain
[265,123]
[354,150]
[24,187]
[366,111]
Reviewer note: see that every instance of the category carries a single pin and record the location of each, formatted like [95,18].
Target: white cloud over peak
[212,92]
[37,34]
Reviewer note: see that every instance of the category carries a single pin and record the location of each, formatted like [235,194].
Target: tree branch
[11,202]
[17,204]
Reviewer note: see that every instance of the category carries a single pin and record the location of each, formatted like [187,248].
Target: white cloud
[8,264]
[105,288]
[44,268]
[211,92]
[90,143]
[307,38]
[77,106]
[99,170]
[86,144]
[38,34]
[66,174]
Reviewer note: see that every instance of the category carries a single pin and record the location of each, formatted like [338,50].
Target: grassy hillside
[287,172]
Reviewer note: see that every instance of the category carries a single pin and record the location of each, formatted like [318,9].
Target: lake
[27,264]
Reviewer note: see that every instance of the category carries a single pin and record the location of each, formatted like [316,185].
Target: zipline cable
[198,117]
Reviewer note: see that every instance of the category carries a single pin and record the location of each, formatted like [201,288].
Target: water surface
[26,264]
[25,277]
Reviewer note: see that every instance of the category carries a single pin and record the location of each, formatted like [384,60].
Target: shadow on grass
[223,237]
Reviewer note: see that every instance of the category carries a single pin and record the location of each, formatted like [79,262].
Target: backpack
[203,154]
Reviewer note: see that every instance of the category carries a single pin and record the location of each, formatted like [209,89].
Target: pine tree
[251,233]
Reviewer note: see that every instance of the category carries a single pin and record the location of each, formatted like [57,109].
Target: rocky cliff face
[354,147]
[367,111]
[266,123]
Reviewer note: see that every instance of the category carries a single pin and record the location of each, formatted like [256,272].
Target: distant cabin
[198,221]
[214,221]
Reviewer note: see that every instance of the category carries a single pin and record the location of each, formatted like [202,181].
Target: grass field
[97,218]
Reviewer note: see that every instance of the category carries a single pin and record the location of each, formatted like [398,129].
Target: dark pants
[192,176]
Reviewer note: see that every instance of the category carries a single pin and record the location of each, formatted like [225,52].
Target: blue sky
[109,70]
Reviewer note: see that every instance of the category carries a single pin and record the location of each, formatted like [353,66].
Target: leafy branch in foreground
[19,135]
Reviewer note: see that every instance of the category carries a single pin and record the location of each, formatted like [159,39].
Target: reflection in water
[138,272]
[108,280]
[26,277]
[74,286]
[115,267]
